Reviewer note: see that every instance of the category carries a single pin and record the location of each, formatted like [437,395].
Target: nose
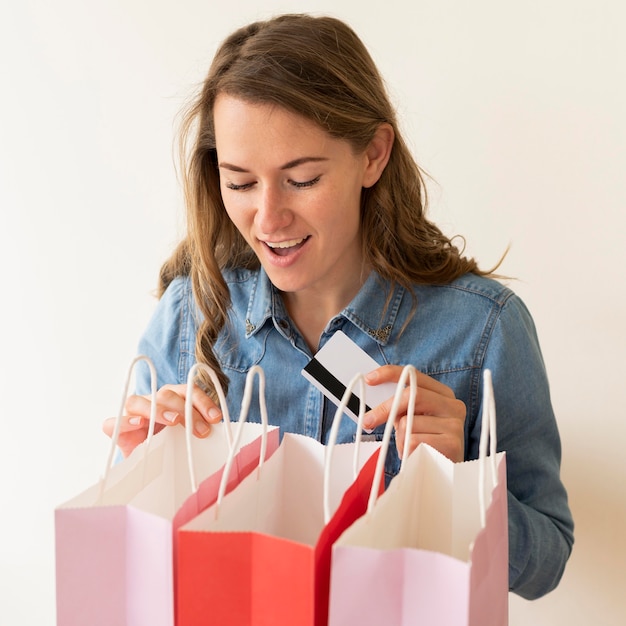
[272,213]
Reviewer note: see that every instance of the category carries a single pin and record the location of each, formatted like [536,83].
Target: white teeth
[285,244]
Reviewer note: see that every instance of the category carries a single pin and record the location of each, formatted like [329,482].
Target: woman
[306,215]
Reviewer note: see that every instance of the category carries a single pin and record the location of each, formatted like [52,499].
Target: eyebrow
[286,166]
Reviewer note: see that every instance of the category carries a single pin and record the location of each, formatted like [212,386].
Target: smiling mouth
[284,248]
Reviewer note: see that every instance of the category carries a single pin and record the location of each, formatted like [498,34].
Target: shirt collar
[367,311]
[265,304]
[375,308]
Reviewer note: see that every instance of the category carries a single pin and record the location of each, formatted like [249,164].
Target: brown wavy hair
[318,68]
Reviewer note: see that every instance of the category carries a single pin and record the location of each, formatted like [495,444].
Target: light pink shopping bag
[433,549]
[114,541]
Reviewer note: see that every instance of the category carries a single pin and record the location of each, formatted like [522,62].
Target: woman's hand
[439,417]
[170,410]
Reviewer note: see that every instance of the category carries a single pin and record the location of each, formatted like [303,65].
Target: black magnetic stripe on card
[333,384]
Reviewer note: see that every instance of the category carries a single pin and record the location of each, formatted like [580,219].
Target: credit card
[336,364]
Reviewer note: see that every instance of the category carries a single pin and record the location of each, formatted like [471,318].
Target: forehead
[243,127]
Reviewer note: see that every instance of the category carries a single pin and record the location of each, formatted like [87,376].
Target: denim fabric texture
[456,331]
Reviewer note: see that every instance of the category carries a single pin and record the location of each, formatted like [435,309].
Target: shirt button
[284,324]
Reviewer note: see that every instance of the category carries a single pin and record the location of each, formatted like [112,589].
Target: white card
[336,364]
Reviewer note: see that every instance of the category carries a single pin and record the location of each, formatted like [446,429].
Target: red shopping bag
[261,556]
[247,456]
[434,546]
[114,561]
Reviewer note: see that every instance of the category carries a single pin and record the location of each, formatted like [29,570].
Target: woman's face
[294,192]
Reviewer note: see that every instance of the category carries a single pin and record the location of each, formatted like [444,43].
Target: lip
[287,260]
[285,244]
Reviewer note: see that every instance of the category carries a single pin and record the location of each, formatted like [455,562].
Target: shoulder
[469,288]
[169,338]
[453,327]
[177,304]
[469,297]
[178,290]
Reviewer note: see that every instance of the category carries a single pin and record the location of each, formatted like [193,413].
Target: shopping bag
[114,559]
[433,549]
[261,555]
[248,453]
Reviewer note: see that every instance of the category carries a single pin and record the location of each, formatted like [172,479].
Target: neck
[311,311]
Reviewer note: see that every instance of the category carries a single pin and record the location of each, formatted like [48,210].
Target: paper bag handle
[243,416]
[487,439]
[193,372]
[118,421]
[409,372]
[334,431]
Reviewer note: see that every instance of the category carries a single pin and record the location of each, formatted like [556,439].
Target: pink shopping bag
[433,549]
[114,553]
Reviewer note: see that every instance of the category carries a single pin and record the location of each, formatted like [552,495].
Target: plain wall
[517,110]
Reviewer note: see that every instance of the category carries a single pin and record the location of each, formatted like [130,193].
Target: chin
[284,283]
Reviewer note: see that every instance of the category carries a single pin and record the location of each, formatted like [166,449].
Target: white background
[516,110]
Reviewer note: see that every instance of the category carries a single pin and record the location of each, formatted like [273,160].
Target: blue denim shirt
[457,331]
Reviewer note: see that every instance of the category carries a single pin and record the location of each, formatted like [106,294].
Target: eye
[303,185]
[235,187]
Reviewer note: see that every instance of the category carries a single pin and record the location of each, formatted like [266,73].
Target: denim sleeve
[169,338]
[540,522]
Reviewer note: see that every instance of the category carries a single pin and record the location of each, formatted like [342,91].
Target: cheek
[348,206]
[237,217]
[235,208]
[231,213]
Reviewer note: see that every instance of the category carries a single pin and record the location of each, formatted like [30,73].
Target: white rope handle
[334,431]
[487,439]
[193,372]
[243,416]
[118,421]
[409,372]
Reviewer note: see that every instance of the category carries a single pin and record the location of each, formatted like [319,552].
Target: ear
[377,154]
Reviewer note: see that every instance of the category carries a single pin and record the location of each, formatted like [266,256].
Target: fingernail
[170,416]
[214,414]
[134,421]
[372,377]
[202,428]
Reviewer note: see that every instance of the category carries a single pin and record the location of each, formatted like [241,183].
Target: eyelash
[308,183]
[297,185]
[234,187]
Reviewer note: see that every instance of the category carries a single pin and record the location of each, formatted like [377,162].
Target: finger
[445,434]
[133,431]
[427,402]
[171,407]
[380,413]
[128,423]
[203,409]
[168,410]
[205,406]
[392,373]
[128,441]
